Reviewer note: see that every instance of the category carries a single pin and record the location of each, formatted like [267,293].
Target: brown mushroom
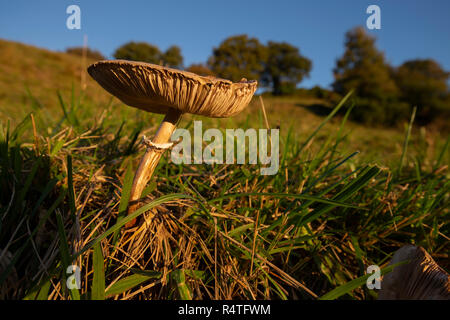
[171,92]
[419,279]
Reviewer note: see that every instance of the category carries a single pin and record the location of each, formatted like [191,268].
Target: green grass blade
[442,153]
[98,283]
[39,293]
[57,147]
[180,280]
[43,292]
[63,106]
[70,186]
[346,193]
[130,282]
[126,190]
[285,195]
[124,199]
[19,130]
[406,141]
[65,254]
[356,283]
[28,182]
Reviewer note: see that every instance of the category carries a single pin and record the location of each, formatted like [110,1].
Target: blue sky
[409,29]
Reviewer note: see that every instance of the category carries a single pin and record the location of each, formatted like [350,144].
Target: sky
[410,29]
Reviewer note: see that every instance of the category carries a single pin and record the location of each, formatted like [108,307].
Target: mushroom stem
[151,158]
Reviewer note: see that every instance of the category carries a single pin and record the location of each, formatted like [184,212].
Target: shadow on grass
[27,190]
[316,108]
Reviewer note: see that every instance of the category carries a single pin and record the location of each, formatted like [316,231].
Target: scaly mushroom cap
[420,279]
[154,88]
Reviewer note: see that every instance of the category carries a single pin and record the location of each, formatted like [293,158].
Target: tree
[238,57]
[363,68]
[139,51]
[200,69]
[90,53]
[285,67]
[423,84]
[146,52]
[172,57]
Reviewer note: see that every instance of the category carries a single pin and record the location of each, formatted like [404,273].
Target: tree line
[383,94]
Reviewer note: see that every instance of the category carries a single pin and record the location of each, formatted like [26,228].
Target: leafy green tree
[364,69]
[172,57]
[145,52]
[238,57]
[139,51]
[285,67]
[423,84]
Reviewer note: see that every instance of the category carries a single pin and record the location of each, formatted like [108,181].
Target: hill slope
[31,77]
[27,71]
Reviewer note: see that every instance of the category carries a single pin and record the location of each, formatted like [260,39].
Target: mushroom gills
[419,279]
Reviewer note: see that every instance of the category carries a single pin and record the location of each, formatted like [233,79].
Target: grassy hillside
[31,77]
[204,231]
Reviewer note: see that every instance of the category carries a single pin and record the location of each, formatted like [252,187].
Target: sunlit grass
[211,231]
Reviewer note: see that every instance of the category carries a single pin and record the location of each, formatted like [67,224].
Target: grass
[205,231]
[345,197]
[29,74]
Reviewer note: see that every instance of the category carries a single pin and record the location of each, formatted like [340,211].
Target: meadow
[346,197]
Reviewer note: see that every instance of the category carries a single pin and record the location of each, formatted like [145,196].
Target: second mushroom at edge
[171,92]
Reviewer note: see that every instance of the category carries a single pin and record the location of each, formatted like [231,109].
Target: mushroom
[171,92]
[419,279]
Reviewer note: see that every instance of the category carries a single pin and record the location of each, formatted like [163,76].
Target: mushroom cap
[420,279]
[155,89]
